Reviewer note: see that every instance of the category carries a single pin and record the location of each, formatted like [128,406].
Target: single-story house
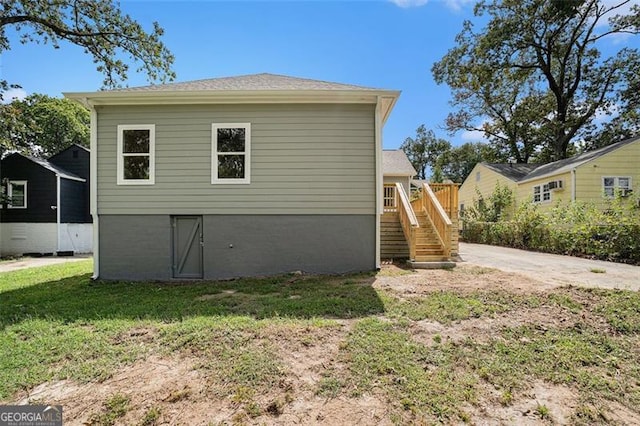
[484,178]
[237,176]
[592,176]
[48,203]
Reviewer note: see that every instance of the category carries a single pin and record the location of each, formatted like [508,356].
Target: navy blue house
[47,208]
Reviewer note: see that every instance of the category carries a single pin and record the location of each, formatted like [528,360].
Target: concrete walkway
[552,268]
[32,262]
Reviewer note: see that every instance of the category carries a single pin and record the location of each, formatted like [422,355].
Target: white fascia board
[234,97]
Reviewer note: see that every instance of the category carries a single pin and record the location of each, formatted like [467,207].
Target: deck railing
[408,219]
[390,197]
[431,205]
[447,195]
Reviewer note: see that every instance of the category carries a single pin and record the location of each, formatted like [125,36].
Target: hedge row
[578,229]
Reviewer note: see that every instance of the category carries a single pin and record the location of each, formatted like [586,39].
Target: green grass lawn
[58,324]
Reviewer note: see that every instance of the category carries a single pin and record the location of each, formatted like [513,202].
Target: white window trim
[214,154]
[542,192]
[10,191]
[152,154]
[616,184]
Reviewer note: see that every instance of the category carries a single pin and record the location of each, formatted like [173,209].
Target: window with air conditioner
[616,184]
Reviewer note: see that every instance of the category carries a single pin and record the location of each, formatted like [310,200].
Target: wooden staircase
[421,230]
[393,243]
[427,244]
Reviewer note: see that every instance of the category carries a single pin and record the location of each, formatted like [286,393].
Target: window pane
[231,140]
[608,192]
[135,141]
[536,198]
[623,182]
[231,166]
[136,167]
[546,196]
[608,181]
[17,195]
[536,189]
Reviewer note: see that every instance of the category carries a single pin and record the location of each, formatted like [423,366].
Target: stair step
[428,251]
[428,247]
[434,258]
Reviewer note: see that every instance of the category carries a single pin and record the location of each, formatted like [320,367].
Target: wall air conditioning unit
[625,192]
[556,185]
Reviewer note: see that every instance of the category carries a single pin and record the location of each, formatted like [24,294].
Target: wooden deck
[423,230]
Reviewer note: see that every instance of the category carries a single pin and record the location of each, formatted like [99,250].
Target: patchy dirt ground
[176,390]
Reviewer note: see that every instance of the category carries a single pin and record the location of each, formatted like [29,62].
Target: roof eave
[234,97]
[556,172]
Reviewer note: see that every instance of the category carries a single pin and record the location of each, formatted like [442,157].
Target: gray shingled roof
[395,162]
[513,171]
[262,81]
[55,169]
[566,165]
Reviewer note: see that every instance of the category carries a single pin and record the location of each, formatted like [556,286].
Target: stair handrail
[441,221]
[408,219]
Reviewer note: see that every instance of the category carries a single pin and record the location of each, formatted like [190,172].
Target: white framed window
[541,193]
[230,153]
[612,183]
[17,193]
[136,154]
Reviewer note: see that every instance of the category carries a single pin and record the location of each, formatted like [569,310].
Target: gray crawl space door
[187,245]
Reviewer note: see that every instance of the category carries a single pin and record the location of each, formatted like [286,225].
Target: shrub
[579,229]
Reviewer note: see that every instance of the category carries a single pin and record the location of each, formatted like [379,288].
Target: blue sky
[386,44]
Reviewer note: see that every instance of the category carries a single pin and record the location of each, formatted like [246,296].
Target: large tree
[424,150]
[457,163]
[41,126]
[112,38]
[534,75]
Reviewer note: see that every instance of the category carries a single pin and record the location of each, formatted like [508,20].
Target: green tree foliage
[535,73]
[41,125]
[497,206]
[99,26]
[424,150]
[457,163]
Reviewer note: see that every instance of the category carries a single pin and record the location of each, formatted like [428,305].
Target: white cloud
[475,135]
[624,9]
[409,3]
[604,115]
[12,94]
[472,136]
[454,5]
[619,38]
[457,5]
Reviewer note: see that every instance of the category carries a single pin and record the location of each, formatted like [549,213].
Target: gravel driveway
[552,268]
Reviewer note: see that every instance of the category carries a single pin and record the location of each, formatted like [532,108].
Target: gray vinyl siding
[305,159]
[138,247]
